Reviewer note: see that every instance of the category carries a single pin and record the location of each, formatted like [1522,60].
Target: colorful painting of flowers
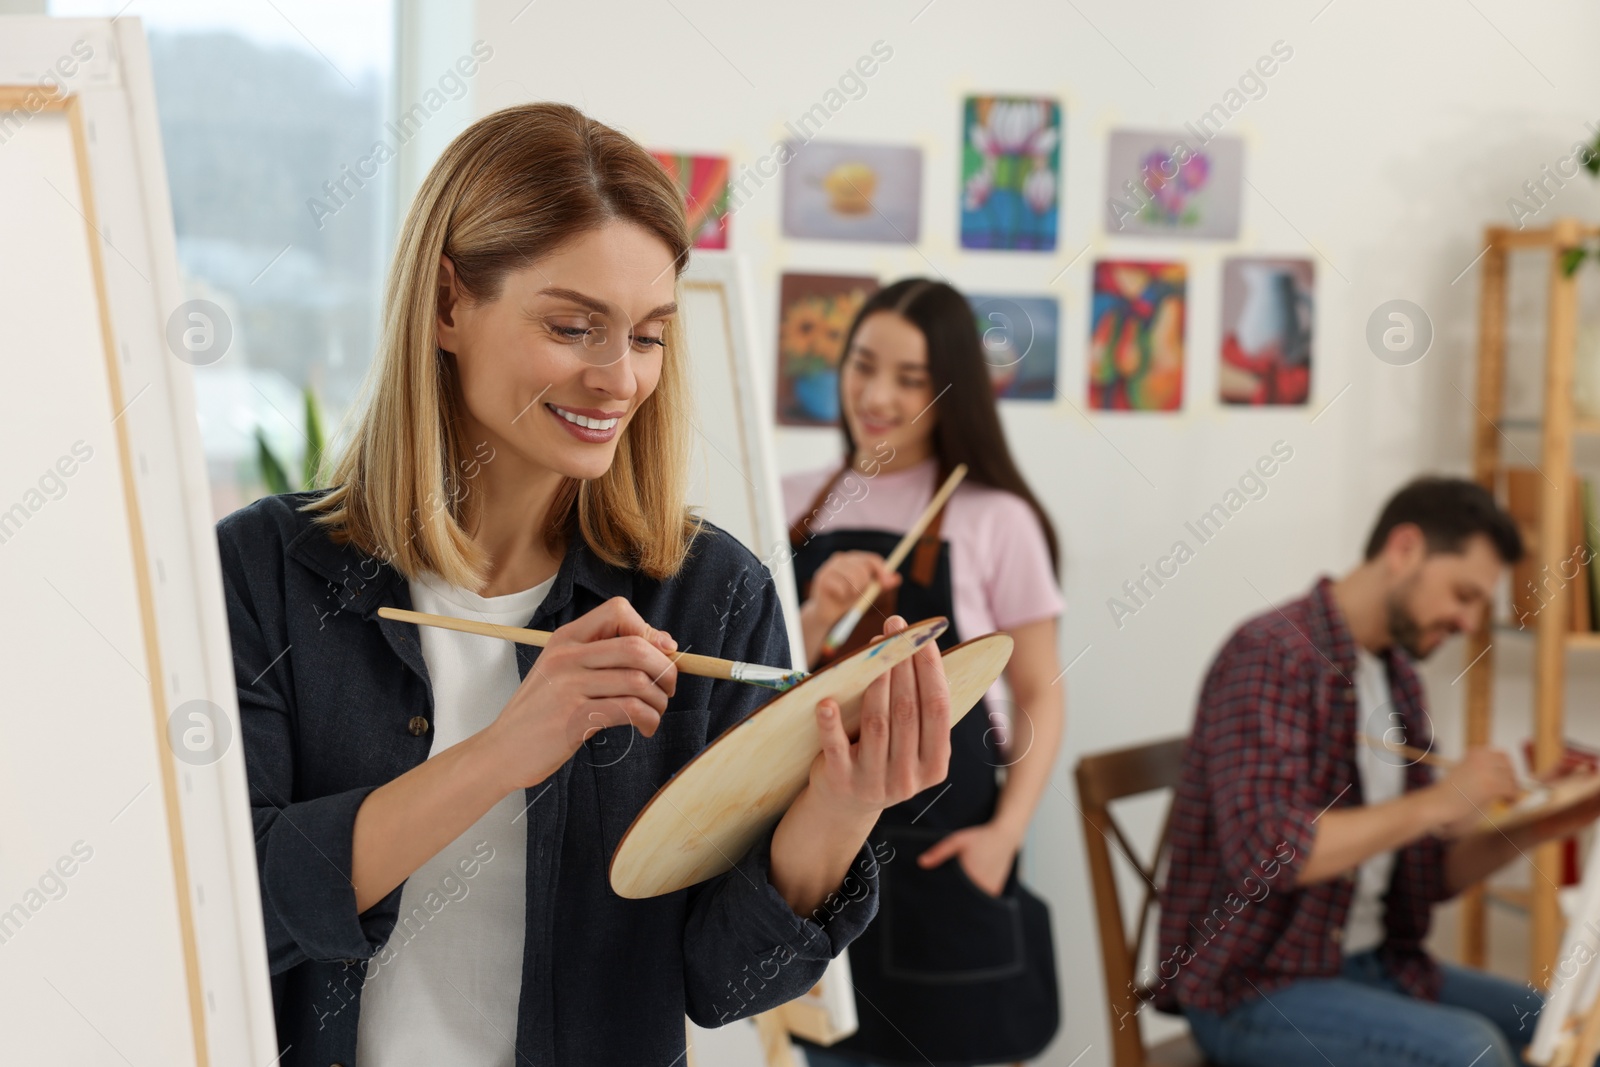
[1173,185]
[1136,341]
[1174,201]
[1267,307]
[814,314]
[703,180]
[1019,338]
[1010,172]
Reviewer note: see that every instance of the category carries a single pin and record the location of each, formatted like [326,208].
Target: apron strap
[924,557]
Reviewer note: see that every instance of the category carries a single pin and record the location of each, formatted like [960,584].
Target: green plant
[275,473]
[1572,258]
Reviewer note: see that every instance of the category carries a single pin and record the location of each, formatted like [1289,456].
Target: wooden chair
[1102,779]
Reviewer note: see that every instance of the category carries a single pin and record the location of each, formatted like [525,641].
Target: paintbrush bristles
[776,678]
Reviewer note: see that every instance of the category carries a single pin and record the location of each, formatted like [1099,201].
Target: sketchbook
[1550,799]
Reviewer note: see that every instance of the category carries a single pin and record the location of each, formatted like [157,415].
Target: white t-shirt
[1383,777]
[445,987]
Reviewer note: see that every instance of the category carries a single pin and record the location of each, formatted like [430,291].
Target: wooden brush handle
[688,662]
[903,549]
[1412,753]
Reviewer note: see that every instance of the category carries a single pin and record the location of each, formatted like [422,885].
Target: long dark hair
[968,427]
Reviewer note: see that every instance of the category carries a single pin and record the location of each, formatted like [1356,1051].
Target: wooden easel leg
[775,1043]
[1588,1042]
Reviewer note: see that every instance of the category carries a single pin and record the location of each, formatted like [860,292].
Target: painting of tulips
[1136,341]
[1010,173]
[1173,185]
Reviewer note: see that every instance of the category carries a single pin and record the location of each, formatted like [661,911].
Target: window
[264,110]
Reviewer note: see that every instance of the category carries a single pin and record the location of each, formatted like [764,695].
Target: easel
[1580,1043]
[1568,1031]
[775,1043]
[809,1017]
[1557,424]
[1581,1048]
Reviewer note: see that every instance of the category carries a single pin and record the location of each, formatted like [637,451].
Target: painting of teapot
[1267,312]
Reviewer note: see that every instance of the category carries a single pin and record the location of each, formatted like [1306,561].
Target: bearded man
[1309,842]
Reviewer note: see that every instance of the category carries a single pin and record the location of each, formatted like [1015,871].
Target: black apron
[945,972]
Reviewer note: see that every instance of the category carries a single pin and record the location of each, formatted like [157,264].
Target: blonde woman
[435,811]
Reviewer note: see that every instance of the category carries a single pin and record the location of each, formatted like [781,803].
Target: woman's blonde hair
[513,187]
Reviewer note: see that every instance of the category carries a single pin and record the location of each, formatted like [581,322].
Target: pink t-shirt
[1000,571]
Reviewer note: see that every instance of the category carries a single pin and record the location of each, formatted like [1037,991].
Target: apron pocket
[937,925]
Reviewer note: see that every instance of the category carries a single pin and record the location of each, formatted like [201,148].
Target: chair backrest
[1103,778]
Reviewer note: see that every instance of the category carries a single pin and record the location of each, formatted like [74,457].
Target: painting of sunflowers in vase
[1136,341]
[814,314]
[1010,173]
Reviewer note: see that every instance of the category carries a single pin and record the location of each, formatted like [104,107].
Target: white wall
[1382,148]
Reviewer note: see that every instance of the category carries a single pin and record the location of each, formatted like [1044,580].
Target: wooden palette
[708,815]
[1557,796]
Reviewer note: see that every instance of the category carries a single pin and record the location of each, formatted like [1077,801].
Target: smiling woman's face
[555,367]
[886,388]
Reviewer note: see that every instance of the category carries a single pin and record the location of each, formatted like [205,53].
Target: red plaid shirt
[1273,747]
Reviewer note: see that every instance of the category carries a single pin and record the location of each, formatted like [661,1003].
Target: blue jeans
[1364,1018]
[816,1057]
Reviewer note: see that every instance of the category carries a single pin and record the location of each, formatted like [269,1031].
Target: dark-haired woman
[958,967]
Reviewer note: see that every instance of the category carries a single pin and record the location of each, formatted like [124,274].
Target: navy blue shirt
[334,702]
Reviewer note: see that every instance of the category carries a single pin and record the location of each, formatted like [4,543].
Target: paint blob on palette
[918,638]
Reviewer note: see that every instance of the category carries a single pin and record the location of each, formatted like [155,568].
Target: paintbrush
[840,633]
[1417,754]
[776,678]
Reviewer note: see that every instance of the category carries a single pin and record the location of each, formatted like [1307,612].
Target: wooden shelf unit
[1552,635]
[1581,641]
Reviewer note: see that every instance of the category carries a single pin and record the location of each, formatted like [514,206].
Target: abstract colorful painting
[1267,307]
[1136,342]
[1019,336]
[1173,185]
[703,180]
[834,191]
[1010,172]
[814,314]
